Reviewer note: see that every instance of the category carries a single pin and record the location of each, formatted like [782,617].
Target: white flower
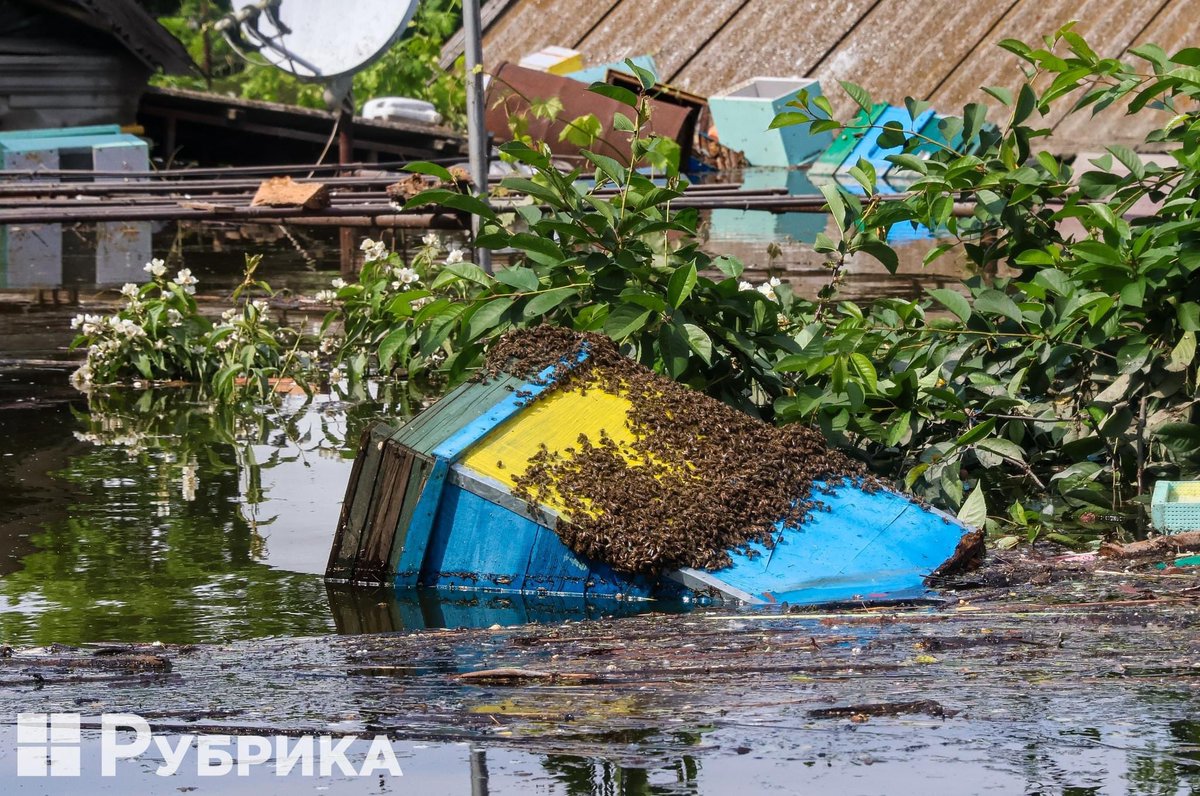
[88,324]
[156,268]
[407,276]
[338,283]
[185,280]
[82,377]
[374,249]
[229,314]
[768,288]
[174,317]
[455,256]
[326,296]
[260,305]
[160,344]
[432,240]
[335,376]
[130,329]
[129,290]
[744,285]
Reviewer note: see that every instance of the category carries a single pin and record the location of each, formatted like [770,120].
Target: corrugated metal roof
[941,50]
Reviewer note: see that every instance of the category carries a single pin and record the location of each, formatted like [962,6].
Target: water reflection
[140,515]
[160,517]
[358,609]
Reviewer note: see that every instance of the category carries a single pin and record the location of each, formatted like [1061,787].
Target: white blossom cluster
[110,337]
[373,249]
[766,288]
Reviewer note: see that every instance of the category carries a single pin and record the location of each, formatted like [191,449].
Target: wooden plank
[356,507]
[418,477]
[412,552]
[390,492]
[333,568]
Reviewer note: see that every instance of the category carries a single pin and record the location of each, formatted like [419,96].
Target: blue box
[744,113]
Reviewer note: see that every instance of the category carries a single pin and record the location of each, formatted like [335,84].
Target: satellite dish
[318,40]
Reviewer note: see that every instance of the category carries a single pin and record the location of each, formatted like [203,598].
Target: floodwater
[143,516]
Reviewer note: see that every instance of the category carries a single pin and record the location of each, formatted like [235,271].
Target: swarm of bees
[699,480]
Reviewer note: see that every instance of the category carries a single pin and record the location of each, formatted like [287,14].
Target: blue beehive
[743,116]
[432,503]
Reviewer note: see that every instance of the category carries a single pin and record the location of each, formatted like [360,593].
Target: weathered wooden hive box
[432,503]
[743,116]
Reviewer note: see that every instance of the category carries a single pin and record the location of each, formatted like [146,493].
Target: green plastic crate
[1175,506]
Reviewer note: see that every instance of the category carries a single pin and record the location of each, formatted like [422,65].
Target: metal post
[477,140]
[345,136]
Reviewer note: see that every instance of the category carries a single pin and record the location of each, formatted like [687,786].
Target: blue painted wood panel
[863,545]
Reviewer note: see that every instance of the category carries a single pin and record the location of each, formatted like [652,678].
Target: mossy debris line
[700,479]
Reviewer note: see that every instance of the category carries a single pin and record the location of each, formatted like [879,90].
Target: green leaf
[974,509]
[915,107]
[608,167]
[469,271]
[700,342]
[618,93]
[519,277]
[1181,438]
[864,173]
[623,123]
[453,200]
[625,320]
[974,115]
[1152,53]
[953,301]
[865,371]
[910,162]
[858,94]
[789,118]
[1184,353]
[581,131]
[1026,102]
[531,188]
[993,302]
[674,349]
[432,169]
[837,205]
[681,284]
[892,135]
[540,249]
[1189,316]
[1129,159]
[487,317]
[644,75]
[882,252]
[1003,447]
[976,432]
[999,92]
[544,302]
[390,345]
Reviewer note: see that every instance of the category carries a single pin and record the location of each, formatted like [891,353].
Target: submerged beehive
[589,475]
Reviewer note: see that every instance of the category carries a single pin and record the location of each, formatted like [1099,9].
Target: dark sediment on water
[708,478]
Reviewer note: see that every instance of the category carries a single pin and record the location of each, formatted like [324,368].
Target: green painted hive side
[458,409]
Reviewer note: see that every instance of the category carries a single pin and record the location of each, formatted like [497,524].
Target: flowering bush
[378,320]
[159,335]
